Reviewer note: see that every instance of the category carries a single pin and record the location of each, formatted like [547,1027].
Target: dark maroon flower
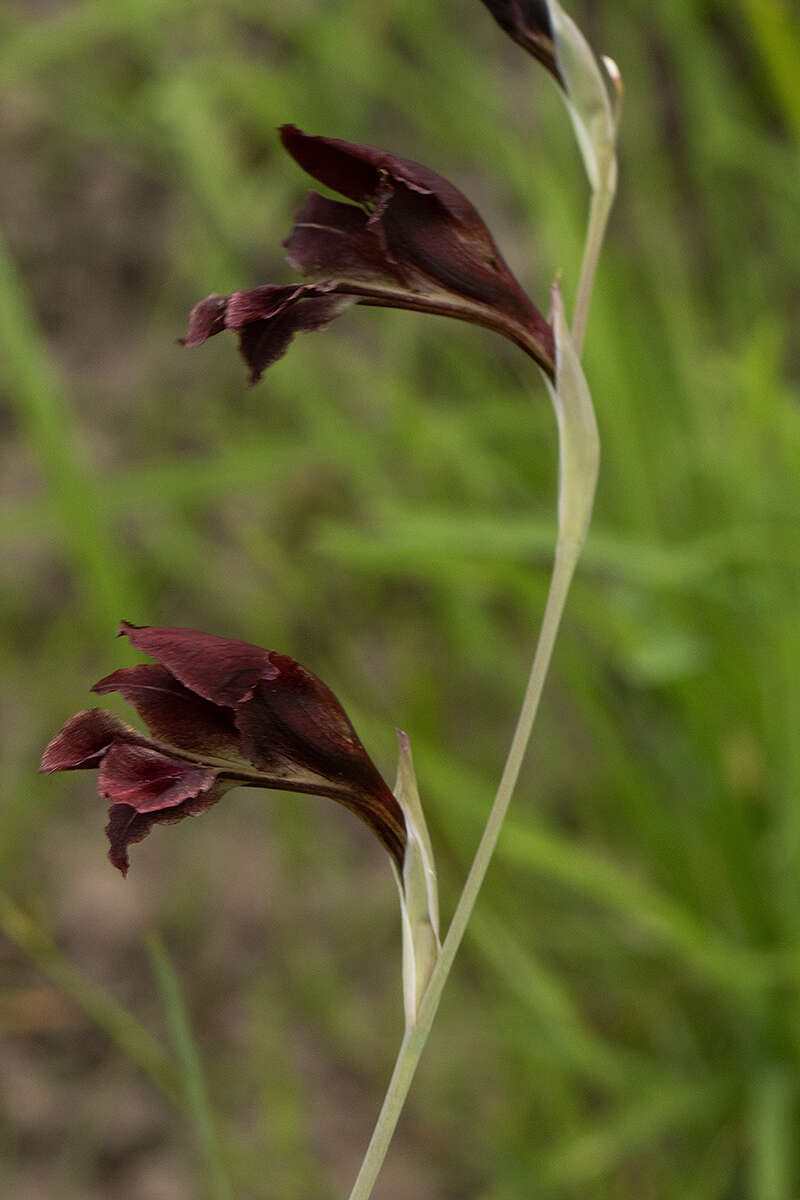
[409,239]
[221,714]
[529,23]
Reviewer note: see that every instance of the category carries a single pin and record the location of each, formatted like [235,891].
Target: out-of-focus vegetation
[624,1020]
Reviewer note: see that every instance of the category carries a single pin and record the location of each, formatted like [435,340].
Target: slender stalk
[579,457]
[414,1041]
[602,200]
[563,570]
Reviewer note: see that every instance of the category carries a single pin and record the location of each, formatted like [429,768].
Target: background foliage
[623,1021]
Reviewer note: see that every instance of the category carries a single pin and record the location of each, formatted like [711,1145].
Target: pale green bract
[593,116]
[419,894]
[579,441]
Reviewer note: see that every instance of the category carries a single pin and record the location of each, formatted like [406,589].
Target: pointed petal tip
[118,841]
[529,23]
[82,741]
[122,865]
[291,136]
[118,849]
[206,319]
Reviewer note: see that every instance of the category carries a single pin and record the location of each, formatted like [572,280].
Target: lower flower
[221,714]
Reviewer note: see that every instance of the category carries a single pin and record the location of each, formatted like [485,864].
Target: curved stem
[563,570]
[579,457]
[414,1041]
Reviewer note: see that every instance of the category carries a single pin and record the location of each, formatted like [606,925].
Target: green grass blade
[773,1135]
[122,1028]
[47,424]
[198,1103]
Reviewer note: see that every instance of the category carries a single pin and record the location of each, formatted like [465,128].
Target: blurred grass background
[624,1020]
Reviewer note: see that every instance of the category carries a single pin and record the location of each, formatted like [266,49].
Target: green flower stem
[579,459]
[579,456]
[601,203]
[414,1041]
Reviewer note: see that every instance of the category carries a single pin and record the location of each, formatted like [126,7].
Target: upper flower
[529,23]
[221,714]
[592,90]
[409,240]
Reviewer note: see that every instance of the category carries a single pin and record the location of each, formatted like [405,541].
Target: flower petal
[359,172]
[334,239]
[145,788]
[263,340]
[84,740]
[126,827]
[427,222]
[222,670]
[528,22]
[148,780]
[266,317]
[206,319]
[173,713]
[302,709]
[293,728]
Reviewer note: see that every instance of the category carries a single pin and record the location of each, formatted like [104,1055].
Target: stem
[579,457]
[602,200]
[414,1041]
[563,570]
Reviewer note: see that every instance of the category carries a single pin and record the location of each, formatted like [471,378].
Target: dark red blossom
[529,23]
[409,239]
[221,714]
